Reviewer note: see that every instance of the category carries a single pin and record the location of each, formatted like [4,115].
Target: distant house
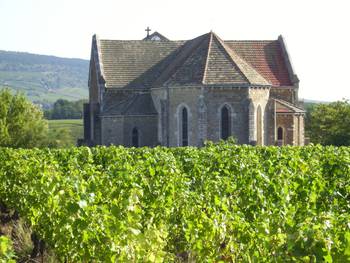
[176,93]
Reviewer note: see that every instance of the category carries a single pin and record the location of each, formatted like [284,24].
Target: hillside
[44,78]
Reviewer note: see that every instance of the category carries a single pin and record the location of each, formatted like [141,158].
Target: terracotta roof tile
[265,57]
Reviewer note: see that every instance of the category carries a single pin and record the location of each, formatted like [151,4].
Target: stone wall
[286,121]
[117,130]
[178,98]
[296,135]
[159,96]
[299,130]
[292,125]
[270,123]
[112,130]
[258,97]
[147,130]
[204,106]
[96,124]
[87,123]
[236,99]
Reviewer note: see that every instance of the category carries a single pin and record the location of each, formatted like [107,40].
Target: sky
[316,32]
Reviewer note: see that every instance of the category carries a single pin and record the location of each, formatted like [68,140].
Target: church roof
[211,61]
[135,63]
[129,104]
[286,107]
[204,60]
[266,57]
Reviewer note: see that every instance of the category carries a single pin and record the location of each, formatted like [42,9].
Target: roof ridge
[233,56]
[207,58]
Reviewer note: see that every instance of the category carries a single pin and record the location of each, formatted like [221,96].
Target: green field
[75,128]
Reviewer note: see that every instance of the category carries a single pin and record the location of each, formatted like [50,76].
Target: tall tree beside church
[329,124]
[21,122]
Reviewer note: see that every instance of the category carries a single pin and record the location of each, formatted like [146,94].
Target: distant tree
[21,122]
[64,109]
[329,124]
[309,107]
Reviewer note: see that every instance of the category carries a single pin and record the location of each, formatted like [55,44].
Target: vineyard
[219,203]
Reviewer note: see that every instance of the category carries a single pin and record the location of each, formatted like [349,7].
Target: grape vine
[217,203]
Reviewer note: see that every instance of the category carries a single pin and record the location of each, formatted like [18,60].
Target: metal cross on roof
[148,30]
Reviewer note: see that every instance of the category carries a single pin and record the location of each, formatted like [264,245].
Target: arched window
[280,134]
[184,128]
[135,137]
[225,123]
[259,126]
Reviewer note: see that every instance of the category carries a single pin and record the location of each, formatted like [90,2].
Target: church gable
[221,68]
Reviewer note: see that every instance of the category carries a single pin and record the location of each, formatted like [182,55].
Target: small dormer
[155,36]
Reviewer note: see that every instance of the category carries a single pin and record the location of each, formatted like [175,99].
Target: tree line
[64,109]
[328,123]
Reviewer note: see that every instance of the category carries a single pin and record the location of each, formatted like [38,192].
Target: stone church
[156,91]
